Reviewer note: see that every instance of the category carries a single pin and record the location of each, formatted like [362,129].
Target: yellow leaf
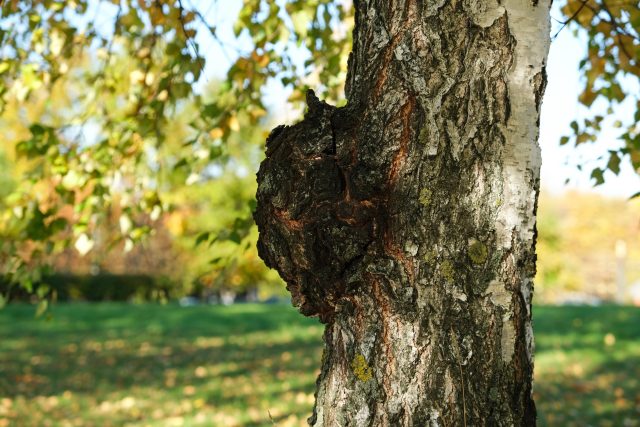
[136,77]
[234,125]
[144,52]
[163,95]
[216,133]
[176,223]
[300,21]
[149,78]
[257,112]
[604,27]
[57,42]
[587,97]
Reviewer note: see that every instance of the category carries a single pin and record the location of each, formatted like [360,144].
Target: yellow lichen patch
[478,252]
[446,269]
[361,369]
[425,197]
[430,256]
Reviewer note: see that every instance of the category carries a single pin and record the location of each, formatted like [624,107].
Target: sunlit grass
[114,364]
[255,365]
[588,366]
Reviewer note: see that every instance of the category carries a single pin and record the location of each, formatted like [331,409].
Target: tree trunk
[406,220]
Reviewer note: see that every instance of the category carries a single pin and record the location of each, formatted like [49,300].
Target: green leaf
[42,138]
[574,126]
[597,174]
[564,140]
[42,290]
[300,21]
[235,237]
[614,163]
[42,307]
[212,110]
[57,225]
[181,163]
[36,228]
[582,138]
[617,93]
[202,237]
[587,97]
[27,285]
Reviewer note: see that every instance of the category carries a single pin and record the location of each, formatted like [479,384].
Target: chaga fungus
[313,231]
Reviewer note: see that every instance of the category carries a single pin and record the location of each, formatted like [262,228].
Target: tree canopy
[610,72]
[107,113]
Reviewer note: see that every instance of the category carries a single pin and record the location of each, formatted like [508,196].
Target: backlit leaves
[597,175]
[610,71]
[614,162]
[90,93]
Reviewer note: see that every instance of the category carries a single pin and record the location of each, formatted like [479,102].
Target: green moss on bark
[477,252]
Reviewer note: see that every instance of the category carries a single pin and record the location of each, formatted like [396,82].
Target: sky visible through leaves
[560,169]
[563,167]
[154,123]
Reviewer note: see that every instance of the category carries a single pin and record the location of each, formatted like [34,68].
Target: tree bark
[406,219]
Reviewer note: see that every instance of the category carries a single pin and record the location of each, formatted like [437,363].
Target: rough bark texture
[406,220]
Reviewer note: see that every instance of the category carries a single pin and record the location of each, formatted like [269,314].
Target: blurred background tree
[577,236]
[111,135]
[119,155]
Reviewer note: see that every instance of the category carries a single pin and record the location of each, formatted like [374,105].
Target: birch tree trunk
[406,220]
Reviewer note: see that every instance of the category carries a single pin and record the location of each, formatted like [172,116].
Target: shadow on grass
[230,359]
[251,364]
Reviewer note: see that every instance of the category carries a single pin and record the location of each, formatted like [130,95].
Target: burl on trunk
[406,219]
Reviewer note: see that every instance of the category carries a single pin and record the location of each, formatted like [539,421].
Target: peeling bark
[406,219]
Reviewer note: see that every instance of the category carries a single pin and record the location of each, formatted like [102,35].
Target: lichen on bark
[360,368]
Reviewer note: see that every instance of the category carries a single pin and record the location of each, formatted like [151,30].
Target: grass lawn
[255,365]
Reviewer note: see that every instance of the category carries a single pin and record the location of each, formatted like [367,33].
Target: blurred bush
[99,287]
[577,235]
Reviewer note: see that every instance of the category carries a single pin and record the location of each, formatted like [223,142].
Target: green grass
[587,366]
[253,365]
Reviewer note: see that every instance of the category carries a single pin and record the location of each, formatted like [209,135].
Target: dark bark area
[386,220]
